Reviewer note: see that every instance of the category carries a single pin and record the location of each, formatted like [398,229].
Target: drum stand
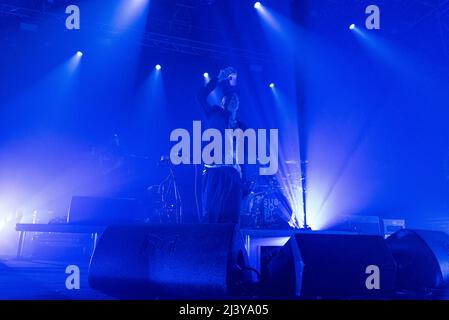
[304,195]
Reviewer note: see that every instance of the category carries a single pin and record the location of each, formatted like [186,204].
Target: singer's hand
[227,74]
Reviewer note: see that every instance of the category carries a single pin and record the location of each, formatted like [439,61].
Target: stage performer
[223,185]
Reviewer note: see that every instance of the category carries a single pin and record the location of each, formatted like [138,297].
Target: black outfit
[222,191]
[222,185]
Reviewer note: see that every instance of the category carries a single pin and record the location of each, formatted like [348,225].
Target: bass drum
[267,210]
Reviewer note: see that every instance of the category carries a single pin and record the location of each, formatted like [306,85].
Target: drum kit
[266,207]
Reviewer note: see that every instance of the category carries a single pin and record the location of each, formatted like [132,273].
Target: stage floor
[45,280]
[24,279]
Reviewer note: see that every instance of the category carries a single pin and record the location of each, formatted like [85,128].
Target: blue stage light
[79,53]
[352,27]
[158,67]
[257,5]
[130,13]
[272,85]
[206,75]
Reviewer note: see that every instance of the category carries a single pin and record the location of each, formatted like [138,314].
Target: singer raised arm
[226,77]
[204,93]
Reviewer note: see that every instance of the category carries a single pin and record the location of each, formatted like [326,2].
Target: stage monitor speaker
[422,257]
[172,261]
[327,265]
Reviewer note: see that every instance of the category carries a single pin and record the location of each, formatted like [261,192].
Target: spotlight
[158,67]
[272,85]
[79,53]
[352,27]
[206,75]
[257,5]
